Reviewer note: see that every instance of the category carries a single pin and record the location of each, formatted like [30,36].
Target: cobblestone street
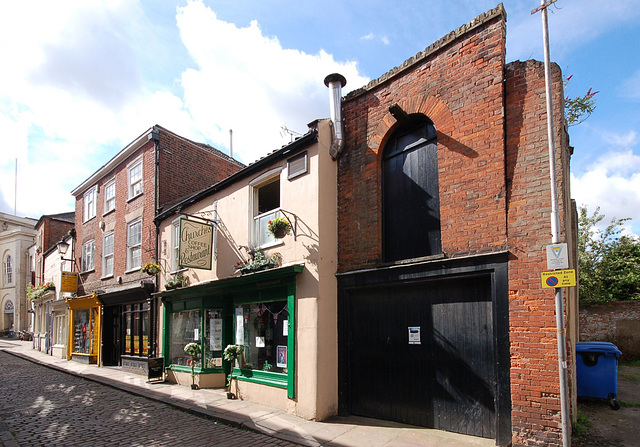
[44,407]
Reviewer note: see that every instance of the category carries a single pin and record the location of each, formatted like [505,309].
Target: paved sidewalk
[336,432]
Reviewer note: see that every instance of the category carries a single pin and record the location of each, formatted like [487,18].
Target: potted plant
[193,349]
[176,282]
[151,268]
[231,354]
[258,261]
[279,227]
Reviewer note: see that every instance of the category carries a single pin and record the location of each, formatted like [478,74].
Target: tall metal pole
[555,230]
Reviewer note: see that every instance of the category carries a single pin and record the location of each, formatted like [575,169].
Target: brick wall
[52,232]
[618,323]
[184,168]
[535,390]
[459,87]
[494,189]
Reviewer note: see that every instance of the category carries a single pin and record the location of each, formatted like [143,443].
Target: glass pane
[145,332]
[213,338]
[262,222]
[81,331]
[136,333]
[185,328]
[127,333]
[265,330]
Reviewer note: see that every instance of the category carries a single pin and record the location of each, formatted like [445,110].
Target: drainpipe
[335,82]
[153,342]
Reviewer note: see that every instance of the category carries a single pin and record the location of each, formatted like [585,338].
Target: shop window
[135,179]
[266,206]
[136,329]
[110,196]
[134,245]
[88,256]
[263,330]
[185,328]
[8,270]
[89,204]
[59,329]
[107,255]
[212,348]
[84,323]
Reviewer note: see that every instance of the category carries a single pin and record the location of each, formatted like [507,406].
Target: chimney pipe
[231,143]
[335,82]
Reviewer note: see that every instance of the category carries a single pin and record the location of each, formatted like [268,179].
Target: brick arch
[432,107]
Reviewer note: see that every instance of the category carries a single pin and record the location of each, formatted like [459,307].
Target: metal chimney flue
[335,82]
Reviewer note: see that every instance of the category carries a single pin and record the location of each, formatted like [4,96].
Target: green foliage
[608,263]
[578,109]
[35,292]
[581,425]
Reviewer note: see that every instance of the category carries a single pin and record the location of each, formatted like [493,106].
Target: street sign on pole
[557,257]
[558,278]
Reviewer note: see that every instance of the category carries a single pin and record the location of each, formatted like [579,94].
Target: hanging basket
[279,227]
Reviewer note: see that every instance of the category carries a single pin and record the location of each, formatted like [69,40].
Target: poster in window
[215,329]
[239,326]
[282,357]
[259,342]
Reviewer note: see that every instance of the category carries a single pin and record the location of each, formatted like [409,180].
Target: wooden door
[422,354]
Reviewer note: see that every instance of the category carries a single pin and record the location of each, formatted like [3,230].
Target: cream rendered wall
[312,199]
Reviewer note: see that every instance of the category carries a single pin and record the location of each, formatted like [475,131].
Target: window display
[213,338]
[136,329]
[185,328]
[262,328]
[83,327]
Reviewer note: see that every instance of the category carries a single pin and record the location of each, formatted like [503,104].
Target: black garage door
[422,354]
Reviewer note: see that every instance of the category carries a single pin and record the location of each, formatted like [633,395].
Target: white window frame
[89,204]
[258,220]
[135,181]
[59,330]
[134,246]
[7,267]
[88,261]
[107,254]
[175,245]
[109,200]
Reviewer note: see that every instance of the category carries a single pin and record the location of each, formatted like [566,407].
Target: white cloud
[247,82]
[630,89]
[613,184]
[369,36]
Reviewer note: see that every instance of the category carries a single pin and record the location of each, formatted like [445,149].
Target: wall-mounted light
[63,247]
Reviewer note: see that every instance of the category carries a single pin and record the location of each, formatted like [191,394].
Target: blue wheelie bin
[597,370]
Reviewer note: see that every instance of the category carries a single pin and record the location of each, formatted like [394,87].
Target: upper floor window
[110,196]
[135,179]
[88,256]
[89,210]
[8,270]
[410,192]
[175,245]
[134,245]
[266,206]
[107,254]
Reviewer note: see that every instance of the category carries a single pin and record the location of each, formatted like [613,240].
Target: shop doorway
[112,345]
[422,353]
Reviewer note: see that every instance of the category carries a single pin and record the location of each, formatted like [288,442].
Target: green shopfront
[256,311]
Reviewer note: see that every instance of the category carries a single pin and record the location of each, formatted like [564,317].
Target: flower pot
[231,396]
[279,233]
[194,386]
[152,271]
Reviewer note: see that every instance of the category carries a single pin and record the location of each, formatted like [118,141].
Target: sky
[82,79]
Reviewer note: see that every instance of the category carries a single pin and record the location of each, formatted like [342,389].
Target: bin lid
[601,347]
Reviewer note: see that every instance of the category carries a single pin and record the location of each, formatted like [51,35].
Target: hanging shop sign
[196,243]
[69,282]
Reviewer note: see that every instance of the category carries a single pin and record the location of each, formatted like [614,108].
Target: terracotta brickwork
[535,390]
[459,87]
[52,229]
[184,167]
[494,188]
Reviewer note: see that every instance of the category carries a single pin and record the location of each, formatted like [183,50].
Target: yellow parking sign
[559,278]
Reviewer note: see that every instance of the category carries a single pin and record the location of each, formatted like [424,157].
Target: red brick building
[116,236]
[443,216]
[51,228]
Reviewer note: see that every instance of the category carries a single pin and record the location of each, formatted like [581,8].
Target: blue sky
[82,79]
